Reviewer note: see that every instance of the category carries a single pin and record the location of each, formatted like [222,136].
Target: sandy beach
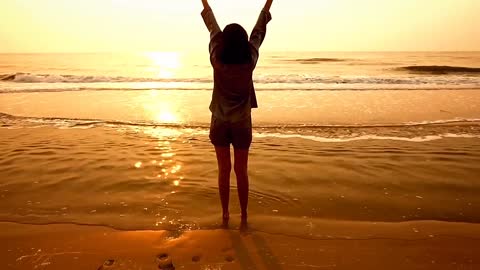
[349,245]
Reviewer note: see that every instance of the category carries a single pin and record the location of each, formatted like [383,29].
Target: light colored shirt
[233,94]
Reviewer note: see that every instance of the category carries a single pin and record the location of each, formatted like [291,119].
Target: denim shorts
[239,134]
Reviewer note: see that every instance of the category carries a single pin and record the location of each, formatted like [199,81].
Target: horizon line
[266,51]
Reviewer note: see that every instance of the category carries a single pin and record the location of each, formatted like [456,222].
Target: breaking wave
[28,82]
[440,69]
[317,60]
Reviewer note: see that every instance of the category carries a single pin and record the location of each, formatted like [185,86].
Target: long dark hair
[236,48]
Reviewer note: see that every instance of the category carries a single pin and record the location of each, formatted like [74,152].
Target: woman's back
[234,57]
[234,93]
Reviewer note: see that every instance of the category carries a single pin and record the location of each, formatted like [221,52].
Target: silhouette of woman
[233,57]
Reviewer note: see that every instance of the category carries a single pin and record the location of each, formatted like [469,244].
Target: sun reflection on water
[168,168]
[162,166]
[167,117]
[160,107]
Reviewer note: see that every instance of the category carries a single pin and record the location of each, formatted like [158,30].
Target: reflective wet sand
[276,107]
[149,177]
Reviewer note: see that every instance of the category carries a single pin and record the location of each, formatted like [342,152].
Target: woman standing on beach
[233,57]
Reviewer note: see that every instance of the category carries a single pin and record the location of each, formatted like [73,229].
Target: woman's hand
[205,4]
[268,5]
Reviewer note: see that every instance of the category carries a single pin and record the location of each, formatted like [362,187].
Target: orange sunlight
[302,25]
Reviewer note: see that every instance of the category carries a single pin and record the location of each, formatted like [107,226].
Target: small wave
[408,132]
[427,138]
[78,122]
[317,60]
[440,69]
[55,78]
[72,89]
[272,82]
[7,77]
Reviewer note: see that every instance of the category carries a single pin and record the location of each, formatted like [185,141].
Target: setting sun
[166,117]
[166,63]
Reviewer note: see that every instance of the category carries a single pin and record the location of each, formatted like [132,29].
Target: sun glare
[161,107]
[167,117]
[165,63]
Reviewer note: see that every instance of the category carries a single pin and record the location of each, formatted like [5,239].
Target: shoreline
[93,247]
[373,107]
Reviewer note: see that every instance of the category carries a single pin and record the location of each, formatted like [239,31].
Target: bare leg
[224,168]
[241,171]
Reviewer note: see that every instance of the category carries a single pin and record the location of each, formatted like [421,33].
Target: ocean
[121,140]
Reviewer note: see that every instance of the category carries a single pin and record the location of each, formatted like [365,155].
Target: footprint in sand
[107,264]
[165,262]
[196,258]
[162,256]
[174,235]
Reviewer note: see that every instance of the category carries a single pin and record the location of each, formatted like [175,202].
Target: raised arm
[212,26]
[209,19]
[267,6]
[205,4]
[260,29]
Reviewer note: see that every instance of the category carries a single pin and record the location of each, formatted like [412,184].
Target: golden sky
[300,25]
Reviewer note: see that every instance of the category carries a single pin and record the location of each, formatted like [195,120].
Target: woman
[233,57]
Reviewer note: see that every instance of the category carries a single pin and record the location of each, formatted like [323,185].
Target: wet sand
[350,246]
[160,178]
[187,107]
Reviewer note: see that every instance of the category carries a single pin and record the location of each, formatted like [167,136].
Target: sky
[297,25]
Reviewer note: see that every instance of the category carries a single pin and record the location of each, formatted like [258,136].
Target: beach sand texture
[346,245]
